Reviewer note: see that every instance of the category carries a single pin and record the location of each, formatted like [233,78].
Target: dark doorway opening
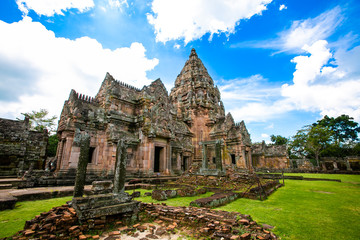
[184,163]
[233,160]
[91,155]
[157,159]
[214,160]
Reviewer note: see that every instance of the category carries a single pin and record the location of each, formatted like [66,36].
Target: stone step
[14,182]
[6,177]
[5,186]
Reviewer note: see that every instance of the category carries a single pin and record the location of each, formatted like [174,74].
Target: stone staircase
[8,182]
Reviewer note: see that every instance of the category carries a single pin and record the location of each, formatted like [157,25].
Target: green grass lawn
[14,220]
[300,210]
[309,209]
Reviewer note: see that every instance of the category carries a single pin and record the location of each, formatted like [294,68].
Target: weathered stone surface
[269,156]
[7,202]
[158,195]
[120,167]
[208,223]
[82,140]
[215,200]
[162,131]
[21,149]
[99,187]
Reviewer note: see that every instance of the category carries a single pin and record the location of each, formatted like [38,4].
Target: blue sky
[279,65]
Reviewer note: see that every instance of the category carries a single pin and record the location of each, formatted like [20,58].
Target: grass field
[309,209]
[14,220]
[300,210]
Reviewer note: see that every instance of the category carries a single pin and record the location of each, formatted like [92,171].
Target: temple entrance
[233,160]
[157,158]
[184,163]
[91,156]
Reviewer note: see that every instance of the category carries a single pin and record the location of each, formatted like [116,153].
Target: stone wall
[20,148]
[269,156]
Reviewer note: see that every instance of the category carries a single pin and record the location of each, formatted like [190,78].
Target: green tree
[297,145]
[52,145]
[311,140]
[318,139]
[39,120]
[344,128]
[279,140]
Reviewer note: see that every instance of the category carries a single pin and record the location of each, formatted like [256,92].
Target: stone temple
[165,134]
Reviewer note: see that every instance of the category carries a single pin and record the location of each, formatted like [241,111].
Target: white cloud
[191,19]
[301,32]
[177,46]
[322,82]
[282,7]
[264,135]
[311,30]
[332,90]
[254,88]
[52,7]
[119,4]
[42,69]
[246,98]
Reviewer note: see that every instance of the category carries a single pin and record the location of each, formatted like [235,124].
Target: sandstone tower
[163,133]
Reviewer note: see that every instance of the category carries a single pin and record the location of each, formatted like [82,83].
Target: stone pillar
[120,167]
[204,158]
[250,162]
[244,156]
[335,165]
[323,166]
[59,155]
[169,160]
[348,167]
[218,155]
[83,141]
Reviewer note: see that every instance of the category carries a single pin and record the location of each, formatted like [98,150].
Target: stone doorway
[159,152]
[184,163]
[233,160]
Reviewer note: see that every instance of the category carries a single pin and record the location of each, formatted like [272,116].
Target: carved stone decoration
[162,131]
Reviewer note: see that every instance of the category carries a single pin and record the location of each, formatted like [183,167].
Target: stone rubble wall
[20,147]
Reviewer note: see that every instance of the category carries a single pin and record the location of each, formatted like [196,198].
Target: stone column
[169,159]
[244,156]
[348,167]
[218,155]
[83,141]
[120,167]
[60,153]
[204,158]
[251,168]
[335,165]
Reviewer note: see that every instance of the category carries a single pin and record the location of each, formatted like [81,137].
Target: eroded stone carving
[162,131]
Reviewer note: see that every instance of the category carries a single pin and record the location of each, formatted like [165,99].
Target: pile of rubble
[61,223]
[233,180]
[185,191]
[208,223]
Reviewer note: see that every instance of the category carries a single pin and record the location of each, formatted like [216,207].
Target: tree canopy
[279,140]
[333,137]
[343,128]
[39,121]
